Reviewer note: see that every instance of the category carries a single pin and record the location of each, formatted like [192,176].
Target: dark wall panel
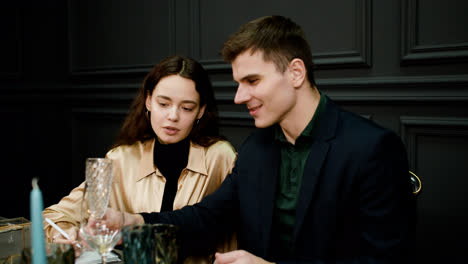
[120,36]
[14,163]
[10,46]
[338,36]
[35,144]
[434,30]
[438,149]
[94,133]
[236,126]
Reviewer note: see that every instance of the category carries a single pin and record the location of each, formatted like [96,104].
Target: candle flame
[34,183]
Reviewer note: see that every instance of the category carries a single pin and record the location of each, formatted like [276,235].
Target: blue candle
[37,235]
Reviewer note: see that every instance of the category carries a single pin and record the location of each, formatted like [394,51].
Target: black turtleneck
[171,159]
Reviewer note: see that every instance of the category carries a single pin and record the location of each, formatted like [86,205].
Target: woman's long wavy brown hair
[137,126]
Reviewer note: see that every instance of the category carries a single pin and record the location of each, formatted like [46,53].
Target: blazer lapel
[311,175]
[318,152]
[266,190]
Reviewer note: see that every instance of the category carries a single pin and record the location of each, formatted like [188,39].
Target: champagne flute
[93,207]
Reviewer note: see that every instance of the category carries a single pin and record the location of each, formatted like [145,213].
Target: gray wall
[69,70]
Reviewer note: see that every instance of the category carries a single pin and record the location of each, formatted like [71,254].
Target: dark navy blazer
[355,204]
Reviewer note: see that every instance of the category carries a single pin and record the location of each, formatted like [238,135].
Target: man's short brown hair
[279,38]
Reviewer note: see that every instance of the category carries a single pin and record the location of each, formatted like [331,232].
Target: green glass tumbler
[138,244]
[166,244]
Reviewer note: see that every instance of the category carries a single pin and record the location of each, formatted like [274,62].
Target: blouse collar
[196,160]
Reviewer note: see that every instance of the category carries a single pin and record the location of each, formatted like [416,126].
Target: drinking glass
[138,244]
[93,207]
[166,243]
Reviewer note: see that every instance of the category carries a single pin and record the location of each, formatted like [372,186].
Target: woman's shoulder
[220,157]
[136,149]
[220,147]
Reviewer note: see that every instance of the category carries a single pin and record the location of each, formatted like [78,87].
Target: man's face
[267,92]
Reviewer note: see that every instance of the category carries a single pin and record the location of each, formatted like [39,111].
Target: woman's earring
[147,113]
[198,121]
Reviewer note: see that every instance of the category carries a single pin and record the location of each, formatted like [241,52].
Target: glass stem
[103,259]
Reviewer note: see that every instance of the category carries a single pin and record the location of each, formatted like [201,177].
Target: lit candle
[37,236]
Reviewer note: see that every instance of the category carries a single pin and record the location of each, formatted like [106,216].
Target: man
[314,183]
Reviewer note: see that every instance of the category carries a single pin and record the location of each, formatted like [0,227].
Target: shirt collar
[196,160]
[311,128]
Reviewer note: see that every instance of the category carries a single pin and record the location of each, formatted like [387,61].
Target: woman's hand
[73,234]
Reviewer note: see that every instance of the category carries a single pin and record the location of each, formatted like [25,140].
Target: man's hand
[116,220]
[238,257]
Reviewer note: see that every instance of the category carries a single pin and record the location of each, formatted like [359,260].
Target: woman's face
[174,106]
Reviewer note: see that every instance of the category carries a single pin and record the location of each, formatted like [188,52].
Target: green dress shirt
[293,160]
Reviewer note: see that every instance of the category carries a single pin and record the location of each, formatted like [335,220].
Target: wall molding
[194,28]
[359,56]
[236,118]
[413,127]
[96,112]
[452,88]
[116,69]
[114,94]
[414,53]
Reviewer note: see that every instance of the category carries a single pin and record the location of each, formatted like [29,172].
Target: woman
[168,153]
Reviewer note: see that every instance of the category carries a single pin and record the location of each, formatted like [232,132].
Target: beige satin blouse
[138,186]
